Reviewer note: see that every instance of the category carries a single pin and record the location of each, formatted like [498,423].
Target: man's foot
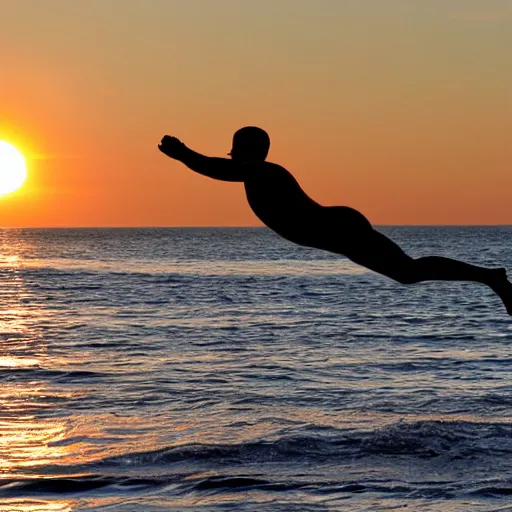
[502,287]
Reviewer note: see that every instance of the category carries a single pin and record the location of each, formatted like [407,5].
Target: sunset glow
[400,109]
[13,171]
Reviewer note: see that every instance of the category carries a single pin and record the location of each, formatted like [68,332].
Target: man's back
[278,200]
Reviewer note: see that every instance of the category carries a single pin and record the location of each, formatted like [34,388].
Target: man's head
[250,144]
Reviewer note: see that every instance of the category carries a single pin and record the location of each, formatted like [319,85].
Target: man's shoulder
[266,172]
[277,167]
[267,168]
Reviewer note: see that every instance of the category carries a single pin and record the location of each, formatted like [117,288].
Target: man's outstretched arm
[216,168]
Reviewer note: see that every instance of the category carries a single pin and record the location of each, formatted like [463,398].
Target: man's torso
[279,202]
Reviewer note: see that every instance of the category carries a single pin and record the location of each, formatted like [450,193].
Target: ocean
[227,369]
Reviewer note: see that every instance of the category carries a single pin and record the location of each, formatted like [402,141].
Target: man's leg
[375,251]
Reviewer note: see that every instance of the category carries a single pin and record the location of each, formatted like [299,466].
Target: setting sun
[13,171]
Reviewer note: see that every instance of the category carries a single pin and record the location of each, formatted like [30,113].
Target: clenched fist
[171,146]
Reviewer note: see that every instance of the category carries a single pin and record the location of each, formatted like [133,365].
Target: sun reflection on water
[29,430]
[40,434]
[17,505]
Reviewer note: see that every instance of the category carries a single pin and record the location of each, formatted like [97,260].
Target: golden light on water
[35,505]
[13,171]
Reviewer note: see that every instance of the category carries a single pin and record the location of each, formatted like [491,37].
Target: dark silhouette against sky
[279,202]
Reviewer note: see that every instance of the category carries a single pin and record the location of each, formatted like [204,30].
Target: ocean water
[227,369]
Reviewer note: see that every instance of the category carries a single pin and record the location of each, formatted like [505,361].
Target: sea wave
[452,439]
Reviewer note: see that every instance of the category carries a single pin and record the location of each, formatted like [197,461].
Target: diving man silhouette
[279,202]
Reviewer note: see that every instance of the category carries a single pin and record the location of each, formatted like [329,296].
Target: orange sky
[401,109]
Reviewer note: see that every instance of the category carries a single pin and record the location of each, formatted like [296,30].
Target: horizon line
[244,227]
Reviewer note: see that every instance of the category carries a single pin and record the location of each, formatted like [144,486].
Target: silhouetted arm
[213,167]
[216,168]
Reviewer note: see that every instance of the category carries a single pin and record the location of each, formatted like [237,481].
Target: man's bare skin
[279,202]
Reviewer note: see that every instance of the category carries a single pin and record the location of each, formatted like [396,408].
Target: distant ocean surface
[227,369]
